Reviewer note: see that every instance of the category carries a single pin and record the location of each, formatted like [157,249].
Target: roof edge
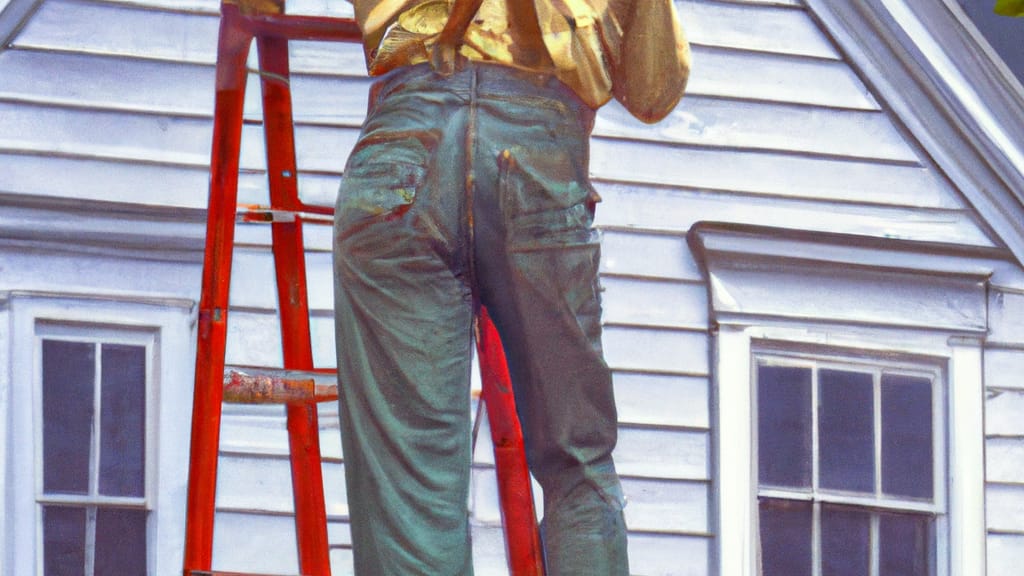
[14,14]
[928,64]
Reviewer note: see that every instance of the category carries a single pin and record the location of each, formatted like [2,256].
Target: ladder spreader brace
[299,385]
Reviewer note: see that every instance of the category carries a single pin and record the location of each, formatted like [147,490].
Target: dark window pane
[123,420]
[845,542]
[68,384]
[120,542]
[905,547]
[907,468]
[846,431]
[785,538]
[63,541]
[784,426]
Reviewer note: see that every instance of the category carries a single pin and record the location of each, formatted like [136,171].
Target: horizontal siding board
[771,174]
[1003,410]
[749,75]
[260,430]
[1005,554]
[654,303]
[317,148]
[754,27]
[669,555]
[648,255]
[105,82]
[662,400]
[1006,317]
[763,125]
[199,6]
[83,273]
[657,350]
[144,33]
[254,339]
[667,454]
[254,543]
[172,35]
[253,280]
[1004,368]
[1004,460]
[103,134]
[670,210]
[666,506]
[488,550]
[263,544]
[104,181]
[327,57]
[1005,506]
[265,484]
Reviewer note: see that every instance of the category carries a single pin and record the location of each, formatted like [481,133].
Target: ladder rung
[253,385]
[218,573]
[252,213]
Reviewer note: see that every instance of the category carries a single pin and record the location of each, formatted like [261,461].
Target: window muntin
[848,456]
[92,497]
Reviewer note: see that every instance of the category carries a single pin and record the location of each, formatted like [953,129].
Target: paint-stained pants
[471,188]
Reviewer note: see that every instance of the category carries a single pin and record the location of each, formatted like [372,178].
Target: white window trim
[171,323]
[741,262]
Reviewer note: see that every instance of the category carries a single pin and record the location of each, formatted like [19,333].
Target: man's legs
[403,320]
[537,260]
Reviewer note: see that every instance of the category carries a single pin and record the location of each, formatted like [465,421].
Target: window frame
[98,336]
[766,353]
[169,324]
[772,287]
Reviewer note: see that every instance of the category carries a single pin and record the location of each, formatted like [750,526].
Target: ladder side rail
[296,27]
[232,50]
[515,490]
[293,306]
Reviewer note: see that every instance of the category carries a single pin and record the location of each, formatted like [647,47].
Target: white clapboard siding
[745,26]
[662,399]
[659,554]
[1004,368]
[1005,507]
[640,254]
[1003,409]
[1005,554]
[1005,460]
[1004,428]
[1006,309]
[770,174]
[759,125]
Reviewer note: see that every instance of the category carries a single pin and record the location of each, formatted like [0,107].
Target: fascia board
[14,14]
[927,65]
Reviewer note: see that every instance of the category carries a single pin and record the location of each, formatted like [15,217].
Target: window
[849,464]
[95,424]
[93,454]
[848,402]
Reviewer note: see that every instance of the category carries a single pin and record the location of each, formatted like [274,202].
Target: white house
[813,276]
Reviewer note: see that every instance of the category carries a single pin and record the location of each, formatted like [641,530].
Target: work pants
[469,189]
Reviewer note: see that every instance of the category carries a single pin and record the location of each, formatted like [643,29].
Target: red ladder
[300,385]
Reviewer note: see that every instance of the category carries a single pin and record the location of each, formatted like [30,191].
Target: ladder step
[257,214]
[254,385]
[219,573]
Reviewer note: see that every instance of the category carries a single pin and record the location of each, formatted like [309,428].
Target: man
[469,186]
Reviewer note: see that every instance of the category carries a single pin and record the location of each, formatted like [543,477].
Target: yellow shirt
[634,50]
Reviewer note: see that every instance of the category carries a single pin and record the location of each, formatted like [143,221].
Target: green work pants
[469,189]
